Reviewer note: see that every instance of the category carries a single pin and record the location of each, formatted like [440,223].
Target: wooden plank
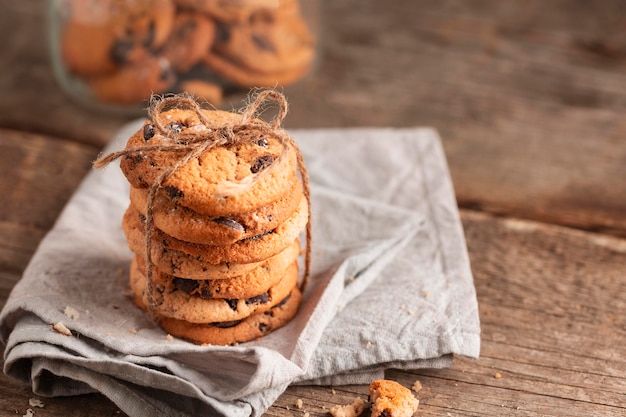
[39,174]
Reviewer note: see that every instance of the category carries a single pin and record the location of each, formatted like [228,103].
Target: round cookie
[251,284]
[99,37]
[223,179]
[185,224]
[229,333]
[244,77]
[271,41]
[227,10]
[133,83]
[204,90]
[191,38]
[182,306]
[248,250]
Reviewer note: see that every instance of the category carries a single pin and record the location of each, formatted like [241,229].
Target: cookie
[133,83]
[254,249]
[222,180]
[227,10]
[238,331]
[251,284]
[190,39]
[203,90]
[185,224]
[100,37]
[390,399]
[182,306]
[246,78]
[270,41]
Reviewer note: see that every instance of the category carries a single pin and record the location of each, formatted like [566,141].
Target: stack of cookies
[215,215]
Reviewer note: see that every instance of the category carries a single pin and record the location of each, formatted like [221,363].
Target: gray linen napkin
[391,286]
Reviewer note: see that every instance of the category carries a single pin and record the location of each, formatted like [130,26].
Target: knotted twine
[193,145]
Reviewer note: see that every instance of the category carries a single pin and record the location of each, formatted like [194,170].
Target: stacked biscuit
[216,242]
[122,51]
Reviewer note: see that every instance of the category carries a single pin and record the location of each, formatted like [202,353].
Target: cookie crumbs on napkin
[59,327]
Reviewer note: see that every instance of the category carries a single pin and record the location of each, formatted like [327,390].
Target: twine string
[192,146]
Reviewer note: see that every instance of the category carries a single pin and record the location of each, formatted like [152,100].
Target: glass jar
[116,53]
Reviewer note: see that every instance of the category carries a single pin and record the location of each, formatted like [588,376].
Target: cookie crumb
[71,312]
[390,399]
[29,413]
[368,344]
[35,402]
[59,327]
[306,414]
[497,375]
[427,294]
[332,391]
[169,337]
[299,404]
[417,386]
[351,410]
[132,330]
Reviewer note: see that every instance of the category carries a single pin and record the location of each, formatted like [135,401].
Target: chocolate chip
[185,285]
[120,50]
[227,221]
[204,293]
[173,192]
[282,302]
[142,218]
[222,33]
[151,36]
[263,327]
[263,43]
[261,163]
[257,237]
[259,299]
[385,413]
[232,303]
[148,132]
[226,324]
[262,142]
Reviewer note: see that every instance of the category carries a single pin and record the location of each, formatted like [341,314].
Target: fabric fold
[391,286]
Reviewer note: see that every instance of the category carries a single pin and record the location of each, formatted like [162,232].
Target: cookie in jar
[116,54]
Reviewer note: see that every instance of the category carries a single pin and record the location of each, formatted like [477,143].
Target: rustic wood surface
[529,98]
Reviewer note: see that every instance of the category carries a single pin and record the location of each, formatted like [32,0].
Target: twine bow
[193,145]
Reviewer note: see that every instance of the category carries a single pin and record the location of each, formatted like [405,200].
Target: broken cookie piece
[350,410]
[390,399]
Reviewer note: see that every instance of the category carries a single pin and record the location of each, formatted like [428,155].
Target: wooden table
[530,100]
